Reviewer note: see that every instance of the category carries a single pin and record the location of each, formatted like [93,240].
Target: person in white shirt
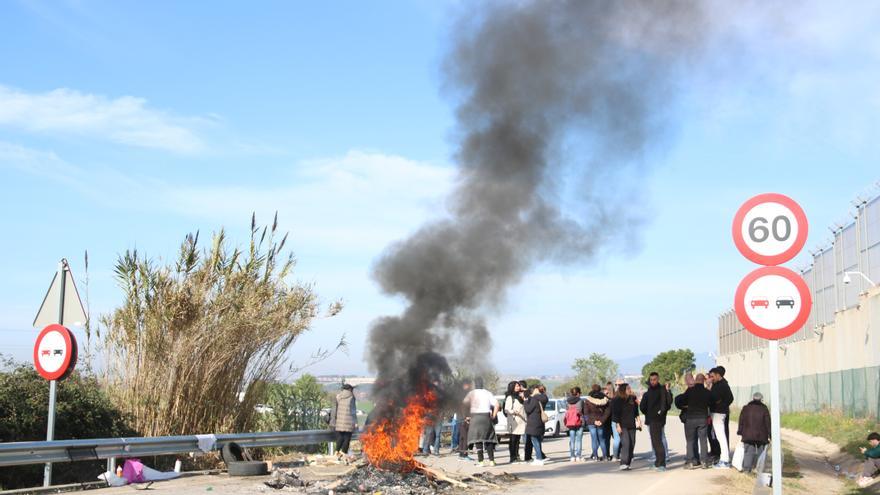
[481,433]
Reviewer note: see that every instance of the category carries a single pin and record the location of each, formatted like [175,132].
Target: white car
[555,410]
[555,426]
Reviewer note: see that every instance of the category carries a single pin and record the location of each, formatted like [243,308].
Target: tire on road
[247,468]
[233,452]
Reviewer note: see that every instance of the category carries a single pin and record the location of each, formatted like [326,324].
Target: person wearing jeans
[534,408]
[432,436]
[598,413]
[575,415]
[454,432]
[721,399]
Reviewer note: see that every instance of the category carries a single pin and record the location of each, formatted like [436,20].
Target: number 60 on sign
[770,229]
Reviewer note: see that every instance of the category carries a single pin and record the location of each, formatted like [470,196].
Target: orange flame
[392,444]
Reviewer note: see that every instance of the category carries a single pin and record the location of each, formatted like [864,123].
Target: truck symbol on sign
[784,301]
[763,303]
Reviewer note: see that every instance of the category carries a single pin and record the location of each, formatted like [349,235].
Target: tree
[597,368]
[295,407]
[83,410]
[195,342]
[671,365]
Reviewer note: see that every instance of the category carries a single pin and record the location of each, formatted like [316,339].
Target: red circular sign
[55,352]
[773,302]
[770,229]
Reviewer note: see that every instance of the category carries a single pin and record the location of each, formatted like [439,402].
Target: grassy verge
[849,433]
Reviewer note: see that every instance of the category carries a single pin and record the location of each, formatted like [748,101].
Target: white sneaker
[573,459]
[537,462]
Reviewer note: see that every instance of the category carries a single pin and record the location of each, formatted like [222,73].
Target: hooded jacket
[581,409]
[598,408]
[343,417]
[722,397]
[754,423]
[533,407]
[656,402]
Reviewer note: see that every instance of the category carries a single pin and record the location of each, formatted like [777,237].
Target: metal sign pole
[50,426]
[775,427]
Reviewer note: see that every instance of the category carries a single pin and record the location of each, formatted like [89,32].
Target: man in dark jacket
[696,400]
[754,428]
[656,402]
[722,398]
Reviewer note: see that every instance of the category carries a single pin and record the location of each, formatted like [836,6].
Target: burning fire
[392,443]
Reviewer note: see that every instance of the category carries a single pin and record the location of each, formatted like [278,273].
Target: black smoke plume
[558,106]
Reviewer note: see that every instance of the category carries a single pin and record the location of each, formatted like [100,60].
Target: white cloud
[125,120]
[354,203]
[361,200]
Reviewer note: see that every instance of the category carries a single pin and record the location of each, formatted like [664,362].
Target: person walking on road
[535,422]
[598,415]
[696,400]
[754,428]
[625,413]
[515,412]
[722,398]
[656,402]
[575,415]
[481,432]
[343,417]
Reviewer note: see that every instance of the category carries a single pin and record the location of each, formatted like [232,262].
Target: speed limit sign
[770,229]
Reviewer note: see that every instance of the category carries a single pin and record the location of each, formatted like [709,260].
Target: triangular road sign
[73,313]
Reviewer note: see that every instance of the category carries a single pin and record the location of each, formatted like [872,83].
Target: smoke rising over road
[557,105]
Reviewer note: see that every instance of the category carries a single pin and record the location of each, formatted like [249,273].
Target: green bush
[82,410]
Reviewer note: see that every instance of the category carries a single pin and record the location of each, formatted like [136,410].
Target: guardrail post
[111,465]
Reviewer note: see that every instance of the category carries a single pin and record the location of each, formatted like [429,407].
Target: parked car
[555,410]
[784,301]
[501,425]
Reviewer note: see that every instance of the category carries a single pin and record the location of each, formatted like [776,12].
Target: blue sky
[126,124]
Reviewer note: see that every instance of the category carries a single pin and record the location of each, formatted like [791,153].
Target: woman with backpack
[574,421]
[514,411]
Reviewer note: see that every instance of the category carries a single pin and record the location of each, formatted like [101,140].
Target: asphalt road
[557,476]
[562,476]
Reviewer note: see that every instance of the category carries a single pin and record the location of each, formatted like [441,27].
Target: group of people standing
[523,408]
[612,416]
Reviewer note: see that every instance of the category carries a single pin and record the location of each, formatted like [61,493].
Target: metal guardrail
[22,453]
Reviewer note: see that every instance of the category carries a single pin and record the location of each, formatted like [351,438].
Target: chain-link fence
[855,249]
